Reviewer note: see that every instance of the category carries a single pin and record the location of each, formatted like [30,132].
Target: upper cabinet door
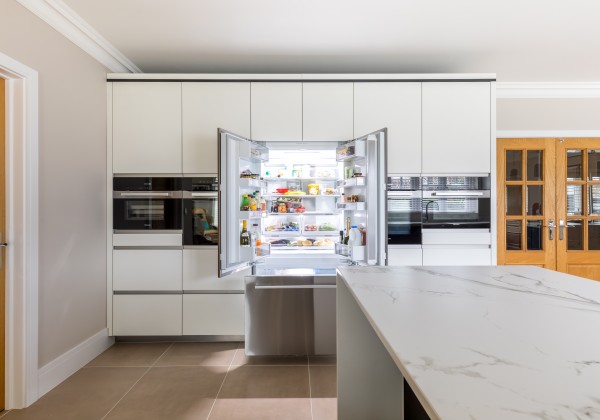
[456,127]
[206,108]
[276,111]
[328,111]
[397,106]
[146,127]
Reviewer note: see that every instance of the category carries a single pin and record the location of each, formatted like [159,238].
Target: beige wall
[548,114]
[72,165]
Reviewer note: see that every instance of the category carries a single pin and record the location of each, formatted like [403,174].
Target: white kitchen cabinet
[213,314]
[200,272]
[405,256]
[327,110]
[276,111]
[456,127]
[147,269]
[397,107]
[207,106]
[456,255]
[146,128]
[147,315]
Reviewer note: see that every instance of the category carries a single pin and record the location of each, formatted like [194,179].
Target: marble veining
[504,342]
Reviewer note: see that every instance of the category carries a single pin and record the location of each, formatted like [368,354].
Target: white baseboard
[71,361]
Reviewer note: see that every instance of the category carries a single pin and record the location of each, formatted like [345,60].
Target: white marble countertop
[488,342]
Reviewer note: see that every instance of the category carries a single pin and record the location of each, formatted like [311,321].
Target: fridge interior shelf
[361,205]
[352,150]
[299,196]
[250,183]
[307,179]
[251,214]
[306,213]
[358,181]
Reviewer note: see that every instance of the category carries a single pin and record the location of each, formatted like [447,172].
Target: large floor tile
[199,354]
[241,359]
[88,394]
[131,354]
[323,387]
[172,393]
[262,409]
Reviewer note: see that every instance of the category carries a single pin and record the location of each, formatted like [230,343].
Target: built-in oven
[146,203]
[404,210]
[456,202]
[200,211]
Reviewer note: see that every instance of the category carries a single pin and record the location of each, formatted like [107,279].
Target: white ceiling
[520,40]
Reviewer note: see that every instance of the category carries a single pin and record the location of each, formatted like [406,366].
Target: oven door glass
[147,213]
[201,220]
[456,212]
[404,221]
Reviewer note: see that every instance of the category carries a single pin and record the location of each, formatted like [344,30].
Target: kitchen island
[488,343]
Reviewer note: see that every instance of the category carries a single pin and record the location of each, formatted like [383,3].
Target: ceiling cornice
[62,18]
[547,90]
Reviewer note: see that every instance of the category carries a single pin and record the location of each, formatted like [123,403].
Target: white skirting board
[71,361]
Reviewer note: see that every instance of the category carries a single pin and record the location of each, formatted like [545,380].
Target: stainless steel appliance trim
[207,194]
[299,286]
[395,195]
[157,247]
[471,175]
[199,246]
[200,175]
[140,175]
[479,193]
[213,292]
[147,231]
[147,194]
[148,292]
[405,246]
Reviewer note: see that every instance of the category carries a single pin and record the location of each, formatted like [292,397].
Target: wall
[548,114]
[72,185]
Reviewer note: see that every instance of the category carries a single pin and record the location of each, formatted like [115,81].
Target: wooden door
[526,202]
[578,207]
[3,236]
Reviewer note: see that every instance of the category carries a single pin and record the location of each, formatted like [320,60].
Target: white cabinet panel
[200,267]
[457,237]
[276,111]
[207,107]
[147,314]
[328,111]
[213,314]
[456,127]
[457,256]
[147,270]
[405,256]
[146,127]
[397,106]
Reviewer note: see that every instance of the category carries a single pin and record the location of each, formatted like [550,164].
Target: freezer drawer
[213,314]
[147,315]
[290,315]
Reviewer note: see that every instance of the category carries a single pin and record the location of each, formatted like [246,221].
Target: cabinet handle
[551,229]
[561,229]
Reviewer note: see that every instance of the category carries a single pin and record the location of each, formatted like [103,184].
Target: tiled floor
[191,381]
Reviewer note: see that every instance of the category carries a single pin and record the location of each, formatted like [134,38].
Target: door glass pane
[594,165]
[574,164]
[534,235]
[594,199]
[535,200]
[574,235]
[594,235]
[513,235]
[514,197]
[514,159]
[574,199]
[534,165]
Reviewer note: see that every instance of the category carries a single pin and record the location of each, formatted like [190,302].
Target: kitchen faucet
[427,209]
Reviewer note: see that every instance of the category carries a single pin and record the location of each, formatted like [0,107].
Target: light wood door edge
[3,230]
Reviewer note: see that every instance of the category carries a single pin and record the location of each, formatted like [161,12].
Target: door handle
[561,229]
[551,229]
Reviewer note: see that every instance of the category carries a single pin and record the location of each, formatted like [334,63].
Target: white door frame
[22,232]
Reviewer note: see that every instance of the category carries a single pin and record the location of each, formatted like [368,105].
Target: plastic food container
[313,189]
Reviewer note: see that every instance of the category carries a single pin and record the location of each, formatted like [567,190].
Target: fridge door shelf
[250,183]
[350,150]
[248,215]
[306,213]
[276,196]
[356,253]
[361,205]
[359,181]
[306,179]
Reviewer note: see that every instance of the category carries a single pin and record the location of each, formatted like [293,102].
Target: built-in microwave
[146,203]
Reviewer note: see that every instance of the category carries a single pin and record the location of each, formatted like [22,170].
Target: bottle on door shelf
[244,235]
[255,236]
[253,203]
[245,206]
[363,232]
[347,234]
[354,238]
[263,204]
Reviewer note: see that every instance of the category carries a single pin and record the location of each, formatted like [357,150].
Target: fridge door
[239,171]
[366,193]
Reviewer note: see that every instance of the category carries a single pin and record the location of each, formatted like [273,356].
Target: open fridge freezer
[305,193]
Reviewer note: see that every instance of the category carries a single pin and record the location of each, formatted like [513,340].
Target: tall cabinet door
[146,127]
[456,127]
[328,111]
[396,106]
[206,108]
[276,111]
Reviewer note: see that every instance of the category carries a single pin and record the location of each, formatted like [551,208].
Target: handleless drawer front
[200,267]
[213,314]
[147,270]
[147,314]
[405,256]
[458,255]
